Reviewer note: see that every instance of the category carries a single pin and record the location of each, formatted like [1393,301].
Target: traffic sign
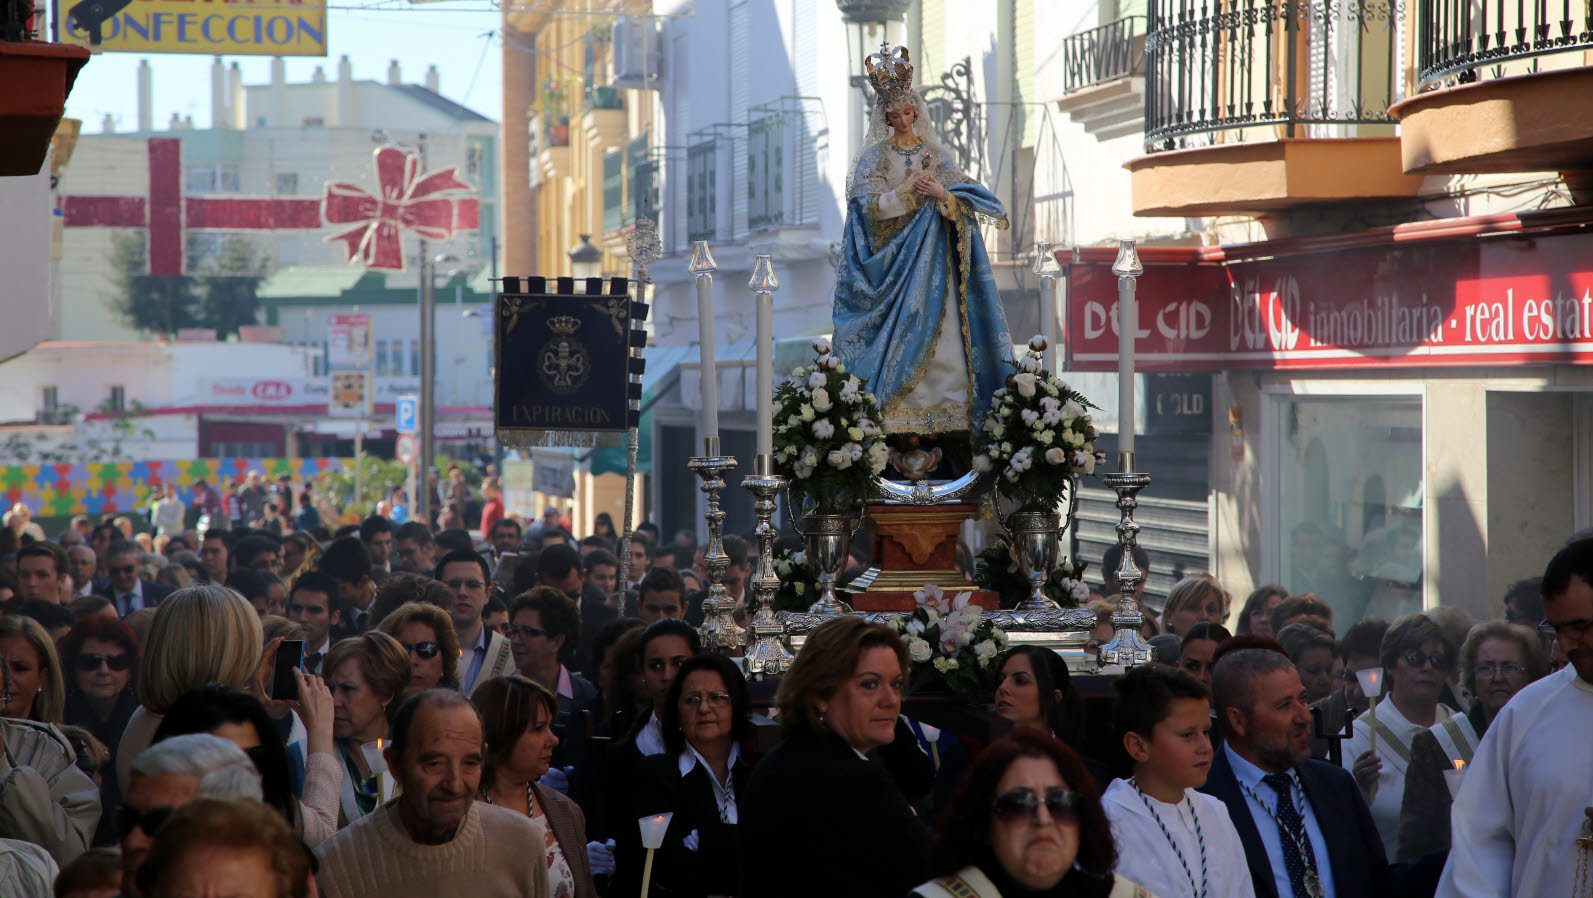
[407,450]
[408,414]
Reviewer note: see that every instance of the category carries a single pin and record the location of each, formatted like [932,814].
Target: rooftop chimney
[108,126]
[394,76]
[433,79]
[343,102]
[218,94]
[176,123]
[319,77]
[146,93]
[235,105]
[279,93]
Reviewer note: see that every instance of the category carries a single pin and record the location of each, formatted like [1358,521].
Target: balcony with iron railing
[1103,78]
[1501,86]
[1258,106]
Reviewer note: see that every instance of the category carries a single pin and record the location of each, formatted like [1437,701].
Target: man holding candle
[1521,825]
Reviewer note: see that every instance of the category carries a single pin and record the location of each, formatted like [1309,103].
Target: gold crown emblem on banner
[564,324]
[890,73]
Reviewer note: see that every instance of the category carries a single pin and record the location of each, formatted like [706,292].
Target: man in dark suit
[560,567]
[1306,830]
[124,587]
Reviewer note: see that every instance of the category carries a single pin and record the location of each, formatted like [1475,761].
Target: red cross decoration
[407,201]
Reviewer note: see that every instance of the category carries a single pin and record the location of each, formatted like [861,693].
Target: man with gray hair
[1306,830]
[169,773]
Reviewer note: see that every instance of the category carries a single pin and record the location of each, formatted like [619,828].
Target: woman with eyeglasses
[697,780]
[100,655]
[1027,820]
[1497,660]
[426,634]
[517,724]
[1416,659]
[838,703]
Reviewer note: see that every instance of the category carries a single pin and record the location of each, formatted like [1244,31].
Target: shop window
[381,358]
[1350,505]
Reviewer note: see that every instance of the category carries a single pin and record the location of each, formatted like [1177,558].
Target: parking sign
[408,414]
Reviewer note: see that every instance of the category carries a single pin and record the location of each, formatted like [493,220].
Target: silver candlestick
[769,655]
[1127,647]
[720,632]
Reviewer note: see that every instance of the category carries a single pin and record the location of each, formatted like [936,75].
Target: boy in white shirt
[1184,845]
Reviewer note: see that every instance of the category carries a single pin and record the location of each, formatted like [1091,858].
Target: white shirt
[1389,794]
[1520,811]
[132,600]
[1262,802]
[724,793]
[1152,862]
[650,738]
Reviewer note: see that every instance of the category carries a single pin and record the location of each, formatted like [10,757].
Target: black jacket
[829,823]
[714,868]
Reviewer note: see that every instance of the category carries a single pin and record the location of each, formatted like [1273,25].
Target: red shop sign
[1431,302]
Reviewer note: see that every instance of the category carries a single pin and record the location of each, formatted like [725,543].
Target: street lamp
[428,374]
[866,24]
[586,260]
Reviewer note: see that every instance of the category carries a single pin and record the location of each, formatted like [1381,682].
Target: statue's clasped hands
[925,183]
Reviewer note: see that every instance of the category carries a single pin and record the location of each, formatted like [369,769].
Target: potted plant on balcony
[555,111]
[38,76]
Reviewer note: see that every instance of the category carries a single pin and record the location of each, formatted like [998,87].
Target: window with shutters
[614,190]
[701,190]
[766,172]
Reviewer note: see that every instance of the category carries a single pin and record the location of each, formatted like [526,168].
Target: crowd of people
[493,713]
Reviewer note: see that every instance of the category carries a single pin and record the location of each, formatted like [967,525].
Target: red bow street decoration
[408,201]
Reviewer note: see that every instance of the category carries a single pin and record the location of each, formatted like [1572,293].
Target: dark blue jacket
[1360,867]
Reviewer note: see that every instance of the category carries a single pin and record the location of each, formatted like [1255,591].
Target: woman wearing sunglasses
[1416,660]
[426,634]
[697,780]
[1026,821]
[100,656]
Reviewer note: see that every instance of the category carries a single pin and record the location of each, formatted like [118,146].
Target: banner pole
[642,247]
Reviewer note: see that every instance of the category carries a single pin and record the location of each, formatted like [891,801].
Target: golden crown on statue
[564,324]
[890,73]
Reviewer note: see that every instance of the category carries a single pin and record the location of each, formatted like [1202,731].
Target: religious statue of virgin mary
[917,312]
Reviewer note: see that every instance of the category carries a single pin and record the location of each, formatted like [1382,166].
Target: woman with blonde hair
[35,689]
[1194,599]
[426,633]
[200,634]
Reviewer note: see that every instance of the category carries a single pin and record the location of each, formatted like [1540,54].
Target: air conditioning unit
[636,52]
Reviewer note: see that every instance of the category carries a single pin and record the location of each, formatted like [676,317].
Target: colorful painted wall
[62,490]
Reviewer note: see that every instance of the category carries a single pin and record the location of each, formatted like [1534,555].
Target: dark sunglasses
[123,568]
[88,663]
[1414,658]
[1023,806]
[149,821]
[423,650]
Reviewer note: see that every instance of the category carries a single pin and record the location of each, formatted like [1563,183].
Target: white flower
[1022,461]
[919,650]
[856,433]
[810,457]
[1079,592]
[869,428]
[794,421]
[959,603]
[1029,416]
[1072,409]
[1038,343]
[1045,437]
[822,346]
[914,626]
[1051,418]
[945,664]
[1012,475]
[930,598]
[1025,382]
[853,451]
[799,587]
[817,379]
[821,400]
[1029,364]
[849,393]
[807,412]
[1078,439]
[1050,403]
[830,363]
[798,372]
[1055,455]
[839,460]
[799,558]
[984,650]
[803,471]
[981,463]
[823,429]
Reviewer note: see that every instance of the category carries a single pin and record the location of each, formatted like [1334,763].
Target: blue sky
[451,35]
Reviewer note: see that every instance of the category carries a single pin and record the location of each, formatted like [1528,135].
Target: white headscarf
[947,172]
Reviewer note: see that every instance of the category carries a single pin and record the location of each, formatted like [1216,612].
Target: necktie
[312,662]
[1291,832]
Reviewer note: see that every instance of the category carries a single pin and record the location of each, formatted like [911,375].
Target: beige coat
[44,798]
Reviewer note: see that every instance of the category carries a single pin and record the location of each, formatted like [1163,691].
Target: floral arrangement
[1036,435]
[996,569]
[828,433]
[950,642]
[796,592]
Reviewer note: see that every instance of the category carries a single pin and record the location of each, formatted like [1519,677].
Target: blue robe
[889,301]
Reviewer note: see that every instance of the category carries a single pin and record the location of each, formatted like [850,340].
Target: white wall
[25,222]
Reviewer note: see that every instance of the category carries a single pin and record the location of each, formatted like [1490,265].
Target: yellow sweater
[374,857]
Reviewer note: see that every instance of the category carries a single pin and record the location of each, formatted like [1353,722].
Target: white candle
[1046,267]
[703,267]
[763,284]
[1127,268]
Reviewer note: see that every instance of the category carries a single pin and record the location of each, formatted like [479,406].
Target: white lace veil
[859,175]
